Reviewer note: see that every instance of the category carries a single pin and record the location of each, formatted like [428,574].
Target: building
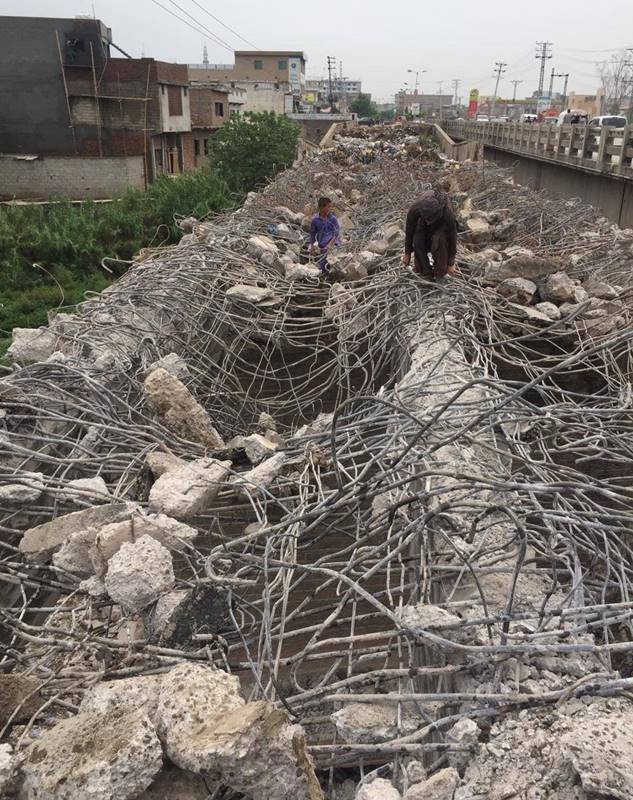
[210,110]
[422,104]
[273,80]
[593,104]
[90,124]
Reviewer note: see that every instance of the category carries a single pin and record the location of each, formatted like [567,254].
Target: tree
[617,80]
[250,150]
[363,106]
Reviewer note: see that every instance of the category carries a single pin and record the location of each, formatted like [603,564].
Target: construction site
[270,536]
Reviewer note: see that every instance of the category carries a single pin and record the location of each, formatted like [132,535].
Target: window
[196,147]
[174,96]
[259,64]
[185,90]
[282,64]
[206,147]
[219,109]
[162,90]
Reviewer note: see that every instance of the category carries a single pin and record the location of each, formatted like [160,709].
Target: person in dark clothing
[431,228]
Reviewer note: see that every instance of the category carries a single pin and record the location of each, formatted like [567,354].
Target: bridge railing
[603,149]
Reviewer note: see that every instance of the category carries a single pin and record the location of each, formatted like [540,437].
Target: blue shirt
[323,231]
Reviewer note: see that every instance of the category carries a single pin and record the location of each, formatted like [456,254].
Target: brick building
[210,110]
[65,97]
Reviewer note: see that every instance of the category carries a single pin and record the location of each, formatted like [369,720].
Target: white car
[608,121]
[482,118]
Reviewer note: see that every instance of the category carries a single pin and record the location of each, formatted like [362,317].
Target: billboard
[473,103]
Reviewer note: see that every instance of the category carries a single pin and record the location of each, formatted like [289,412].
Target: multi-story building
[273,80]
[593,104]
[422,104]
[91,124]
[210,110]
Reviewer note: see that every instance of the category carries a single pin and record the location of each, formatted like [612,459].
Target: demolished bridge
[267,536]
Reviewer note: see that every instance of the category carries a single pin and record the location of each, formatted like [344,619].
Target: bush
[250,150]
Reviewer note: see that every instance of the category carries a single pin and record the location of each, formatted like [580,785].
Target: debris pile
[267,535]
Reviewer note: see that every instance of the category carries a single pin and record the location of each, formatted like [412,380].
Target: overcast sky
[376,41]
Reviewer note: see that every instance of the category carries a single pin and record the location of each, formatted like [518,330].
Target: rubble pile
[271,536]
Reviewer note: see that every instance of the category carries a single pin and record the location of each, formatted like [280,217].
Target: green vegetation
[364,107]
[50,255]
[249,150]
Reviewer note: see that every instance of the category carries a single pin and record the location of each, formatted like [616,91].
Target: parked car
[482,118]
[613,121]
[500,119]
[528,118]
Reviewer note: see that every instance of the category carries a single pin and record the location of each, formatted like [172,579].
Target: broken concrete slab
[138,693]
[530,314]
[19,698]
[597,288]
[440,786]
[38,544]
[172,363]
[558,288]
[478,230]
[530,267]
[189,490]
[190,694]
[255,750]
[517,290]
[111,756]
[139,573]
[8,771]
[182,413]
[29,489]
[256,295]
[86,490]
[32,345]
[159,462]
[425,617]
[258,448]
[302,272]
[378,789]
[376,722]
[261,477]
[550,310]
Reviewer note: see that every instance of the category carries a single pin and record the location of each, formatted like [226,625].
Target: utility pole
[331,64]
[630,110]
[500,68]
[551,86]
[543,54]
[564,100]
[440,83]
[514,93]
[456,83]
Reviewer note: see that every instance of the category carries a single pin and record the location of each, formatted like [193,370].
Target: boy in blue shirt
[324,232]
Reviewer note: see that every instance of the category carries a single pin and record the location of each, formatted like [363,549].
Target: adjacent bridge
[572,160]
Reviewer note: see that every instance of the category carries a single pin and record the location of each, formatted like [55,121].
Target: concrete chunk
[189,490]
[379,789]
[139,693]
[250,294]
[440,786]
[262,476]
[170,399]
[258,448]
[38,544]
[558,288]
[28,490]
[139,573]
[32,345]
[517,290]
[111,756]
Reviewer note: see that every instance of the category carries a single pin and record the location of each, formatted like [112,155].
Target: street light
[417,73]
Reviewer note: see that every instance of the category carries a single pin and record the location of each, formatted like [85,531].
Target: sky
[378,42]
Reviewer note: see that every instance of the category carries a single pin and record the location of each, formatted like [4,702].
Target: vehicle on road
[573,117]
[500,119]
[528,118]
[608,121]
[482,118]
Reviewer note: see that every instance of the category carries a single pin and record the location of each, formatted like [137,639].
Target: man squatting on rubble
[324,232]
[431,228]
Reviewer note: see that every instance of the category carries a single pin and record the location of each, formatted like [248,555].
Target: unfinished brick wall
[77,178]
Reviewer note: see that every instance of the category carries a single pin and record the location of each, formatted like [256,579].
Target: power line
[224,25]
[202,25]
[184,21]
[331,64]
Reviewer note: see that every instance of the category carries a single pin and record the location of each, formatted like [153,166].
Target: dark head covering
[431,207]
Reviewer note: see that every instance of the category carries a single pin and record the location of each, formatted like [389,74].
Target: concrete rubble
[360,537]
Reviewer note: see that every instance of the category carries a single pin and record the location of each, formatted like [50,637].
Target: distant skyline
[376,42]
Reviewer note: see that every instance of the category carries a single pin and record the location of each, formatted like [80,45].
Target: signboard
[295,73]
[473,104]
